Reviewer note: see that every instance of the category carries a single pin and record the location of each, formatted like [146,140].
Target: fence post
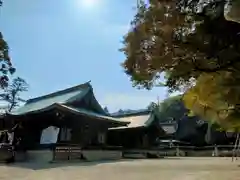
[177,151]
[216,150]
[69,152]
[54,154]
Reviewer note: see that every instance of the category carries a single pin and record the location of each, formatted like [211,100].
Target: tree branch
[222,67]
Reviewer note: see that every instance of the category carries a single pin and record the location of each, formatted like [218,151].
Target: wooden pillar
[145,141]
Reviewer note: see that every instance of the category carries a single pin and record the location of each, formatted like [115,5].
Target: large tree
[10,88]
[195,47]
[6,66]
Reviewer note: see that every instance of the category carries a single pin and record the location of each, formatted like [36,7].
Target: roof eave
[65,108]
[126,128]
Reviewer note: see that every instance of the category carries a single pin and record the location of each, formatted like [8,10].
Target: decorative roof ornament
[59,115]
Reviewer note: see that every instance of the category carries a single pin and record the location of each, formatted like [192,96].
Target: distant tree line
[192,129]
[171,109]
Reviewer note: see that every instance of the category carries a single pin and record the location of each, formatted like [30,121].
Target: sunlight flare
[89,3]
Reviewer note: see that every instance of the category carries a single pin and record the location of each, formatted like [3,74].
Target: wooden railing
[75,152]
[219,150]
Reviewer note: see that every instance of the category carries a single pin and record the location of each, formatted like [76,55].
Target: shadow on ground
[42,166]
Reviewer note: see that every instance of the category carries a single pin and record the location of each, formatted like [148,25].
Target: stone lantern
[232,11]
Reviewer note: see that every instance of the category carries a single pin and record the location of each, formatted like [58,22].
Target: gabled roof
[137,120]
[65,97]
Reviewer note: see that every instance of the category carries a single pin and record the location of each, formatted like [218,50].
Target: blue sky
[55,44]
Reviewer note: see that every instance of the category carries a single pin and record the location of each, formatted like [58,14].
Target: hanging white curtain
[49,135]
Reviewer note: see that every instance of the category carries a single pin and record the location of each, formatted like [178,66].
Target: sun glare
[89,3]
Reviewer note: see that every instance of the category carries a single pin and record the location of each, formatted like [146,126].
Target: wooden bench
[67,153]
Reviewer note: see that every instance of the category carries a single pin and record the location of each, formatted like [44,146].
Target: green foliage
[171,109]
[162,39]
[11,94]
[198,50]
[152,106]
[6,67]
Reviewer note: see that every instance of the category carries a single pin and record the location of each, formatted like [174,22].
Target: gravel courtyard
[161,169]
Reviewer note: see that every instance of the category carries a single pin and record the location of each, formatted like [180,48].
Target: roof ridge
[59,92]
[129,114]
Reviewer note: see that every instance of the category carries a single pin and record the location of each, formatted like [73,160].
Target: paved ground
[161,169]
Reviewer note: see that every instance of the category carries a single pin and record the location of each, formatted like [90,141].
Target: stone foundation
[20,156]
[135,155]
[40,156]
[96,155]
[4,155]
[89,155]
[207,153]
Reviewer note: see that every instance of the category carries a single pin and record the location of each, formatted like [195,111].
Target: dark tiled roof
[63,92]
[62,97]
